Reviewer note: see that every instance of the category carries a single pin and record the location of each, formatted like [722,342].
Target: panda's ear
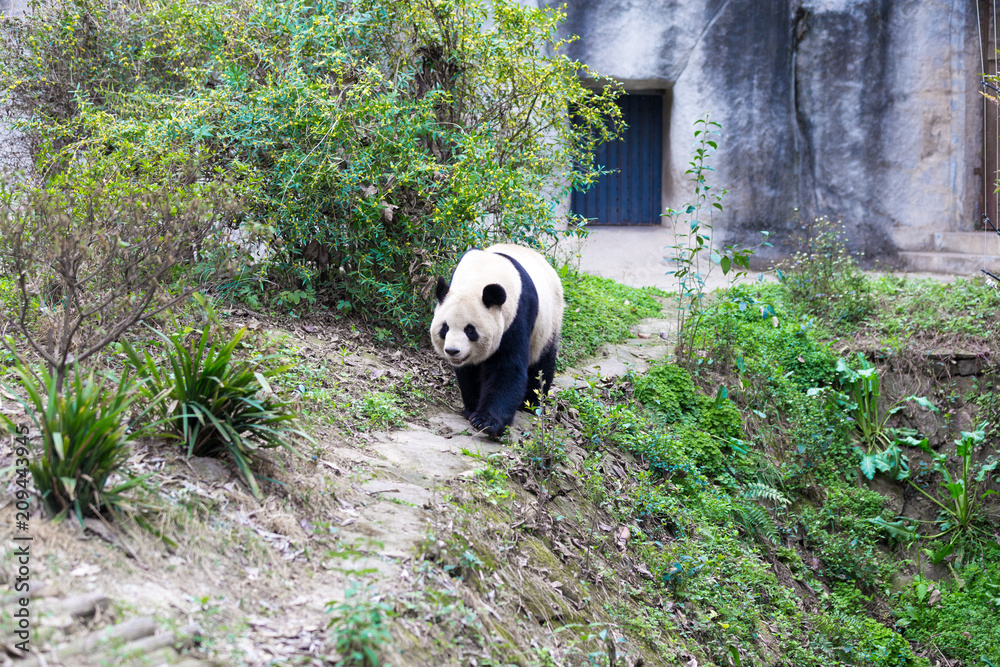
[441,291]
[494,295]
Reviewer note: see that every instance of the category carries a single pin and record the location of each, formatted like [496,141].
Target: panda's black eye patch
[444,331]
[471,333]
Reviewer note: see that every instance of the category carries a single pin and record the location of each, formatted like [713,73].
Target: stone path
[412,465]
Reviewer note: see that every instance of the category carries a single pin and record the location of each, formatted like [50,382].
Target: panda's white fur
[480,329]
[464,303]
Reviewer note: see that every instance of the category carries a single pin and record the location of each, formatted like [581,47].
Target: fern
[755,519]
[759,490]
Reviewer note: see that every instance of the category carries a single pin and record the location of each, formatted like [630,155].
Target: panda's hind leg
[540,376]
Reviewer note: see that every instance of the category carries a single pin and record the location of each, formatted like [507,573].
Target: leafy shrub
[213,404]
[668,390]
[84,441]
[824,279]
[599,311]
[371,141]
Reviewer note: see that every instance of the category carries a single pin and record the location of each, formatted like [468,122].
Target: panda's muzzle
[453,357]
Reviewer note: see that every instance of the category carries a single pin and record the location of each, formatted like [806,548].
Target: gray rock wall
[866,109]
[8,153]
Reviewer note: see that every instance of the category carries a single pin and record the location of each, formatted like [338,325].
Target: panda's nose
[452,351]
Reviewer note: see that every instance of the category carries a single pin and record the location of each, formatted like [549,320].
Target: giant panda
[497,323]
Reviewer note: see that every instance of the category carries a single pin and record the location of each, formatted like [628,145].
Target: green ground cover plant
[371,142]
[598,311]
[703,526]
[963,622]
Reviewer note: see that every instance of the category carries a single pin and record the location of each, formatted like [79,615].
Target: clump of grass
[927,307]
[213,404]
[84,441]
[598,311]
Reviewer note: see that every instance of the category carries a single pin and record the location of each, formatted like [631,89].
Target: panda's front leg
[503,383]
[469,386]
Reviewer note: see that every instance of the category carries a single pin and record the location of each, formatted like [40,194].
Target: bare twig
[90,267]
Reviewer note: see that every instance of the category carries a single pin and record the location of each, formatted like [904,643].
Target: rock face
[7,152]
[865,109]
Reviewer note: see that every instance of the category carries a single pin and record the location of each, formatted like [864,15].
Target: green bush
[84,441]
[214,404]
[371,141]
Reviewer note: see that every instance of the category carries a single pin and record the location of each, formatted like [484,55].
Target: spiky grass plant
[84,440]
[214,404]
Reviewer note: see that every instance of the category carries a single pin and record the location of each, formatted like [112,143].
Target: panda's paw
[488,423]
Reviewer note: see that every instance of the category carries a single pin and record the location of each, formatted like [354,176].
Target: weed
[960,503]
[863,392]
[823,279]
[360,626]
[693,232]
[379,410]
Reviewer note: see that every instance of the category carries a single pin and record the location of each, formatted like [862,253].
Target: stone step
[925,240]
[961,264]
[970,243]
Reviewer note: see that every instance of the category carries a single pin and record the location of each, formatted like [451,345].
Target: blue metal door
[630,195]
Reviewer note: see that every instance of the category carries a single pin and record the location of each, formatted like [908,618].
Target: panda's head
[468,322]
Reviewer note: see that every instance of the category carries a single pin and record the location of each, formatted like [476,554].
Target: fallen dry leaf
[84,570]
[621,538]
